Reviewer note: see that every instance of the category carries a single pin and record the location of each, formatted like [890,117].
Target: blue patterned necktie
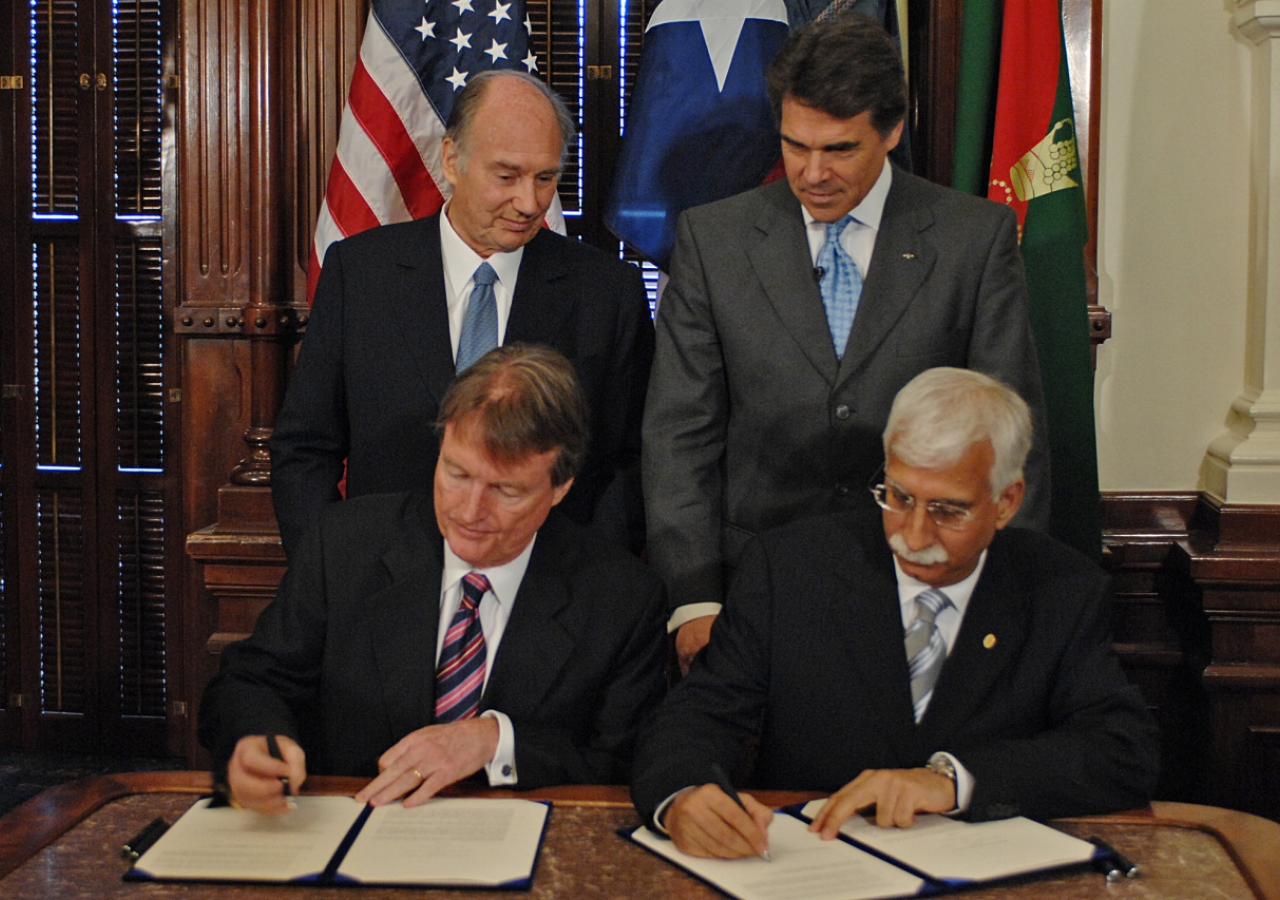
[841,285]
[480,325]
[460,674]
[926,647]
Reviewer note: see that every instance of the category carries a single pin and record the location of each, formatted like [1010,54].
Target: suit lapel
[792,291]
[996,615]
[535,645]
[426,336]
[540,303]
[866,622]
[900,263]
[403,621]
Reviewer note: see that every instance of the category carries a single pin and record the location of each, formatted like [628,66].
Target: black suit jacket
[808,655]
[377,360]
[751,420]
[343,660]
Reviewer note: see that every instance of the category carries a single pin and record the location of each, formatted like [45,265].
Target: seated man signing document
[421,639]
[933,660]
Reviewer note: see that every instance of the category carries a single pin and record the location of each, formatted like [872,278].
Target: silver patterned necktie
[480,325]
[926,647]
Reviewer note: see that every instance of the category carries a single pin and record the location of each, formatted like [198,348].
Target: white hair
[942,412]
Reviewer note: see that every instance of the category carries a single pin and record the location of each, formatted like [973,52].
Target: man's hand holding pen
[706,821]
[263,781]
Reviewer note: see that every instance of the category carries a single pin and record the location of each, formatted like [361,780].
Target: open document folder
[869,862]
[446,842]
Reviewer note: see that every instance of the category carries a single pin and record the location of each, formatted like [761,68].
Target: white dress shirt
[460,264]
[948,623]
[859,241]
[859,237]
[495,611]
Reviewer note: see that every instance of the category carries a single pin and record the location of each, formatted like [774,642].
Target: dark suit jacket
[752,422]
[343,660]
[377,360]
[808,655]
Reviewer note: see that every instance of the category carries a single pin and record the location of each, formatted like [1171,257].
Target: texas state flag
[698,127]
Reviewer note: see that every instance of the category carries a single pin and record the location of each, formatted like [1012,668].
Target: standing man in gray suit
[797,310]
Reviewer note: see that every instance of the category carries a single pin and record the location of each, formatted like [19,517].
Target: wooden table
[65,843]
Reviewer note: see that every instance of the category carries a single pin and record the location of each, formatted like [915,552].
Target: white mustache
[932,555]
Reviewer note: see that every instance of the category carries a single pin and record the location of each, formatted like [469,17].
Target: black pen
[274,749]
[141,842]
[722,781]
[1115,865]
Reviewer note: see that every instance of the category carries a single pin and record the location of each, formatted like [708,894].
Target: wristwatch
[941,763]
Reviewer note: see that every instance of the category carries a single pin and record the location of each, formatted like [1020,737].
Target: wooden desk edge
[1250,840]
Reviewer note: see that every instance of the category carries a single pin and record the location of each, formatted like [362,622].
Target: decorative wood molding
[323,41]
[1198,627]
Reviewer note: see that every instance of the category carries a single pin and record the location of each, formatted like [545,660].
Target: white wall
[1174,233]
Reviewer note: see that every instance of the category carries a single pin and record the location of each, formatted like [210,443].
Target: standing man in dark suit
[390,324]
[796,311]
[547,641]
[934,661]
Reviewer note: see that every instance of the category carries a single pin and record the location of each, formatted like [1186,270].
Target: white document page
[952,850]
[804,867]
[448,841]
[226,844]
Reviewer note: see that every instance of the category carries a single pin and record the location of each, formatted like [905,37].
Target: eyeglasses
[893,498]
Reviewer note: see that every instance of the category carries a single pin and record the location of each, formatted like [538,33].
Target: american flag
[414,59]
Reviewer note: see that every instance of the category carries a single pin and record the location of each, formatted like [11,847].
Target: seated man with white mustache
[933,660]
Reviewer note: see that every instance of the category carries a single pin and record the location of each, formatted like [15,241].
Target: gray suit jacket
[751,421]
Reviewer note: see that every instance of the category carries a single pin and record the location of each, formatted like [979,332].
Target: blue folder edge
[931,887]
[330,878]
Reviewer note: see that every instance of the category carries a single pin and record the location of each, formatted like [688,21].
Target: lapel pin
[908,256]
[989,641]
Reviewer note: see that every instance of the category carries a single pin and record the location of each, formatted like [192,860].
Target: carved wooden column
[262,82]
[240,551]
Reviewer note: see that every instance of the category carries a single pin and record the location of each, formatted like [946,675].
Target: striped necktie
[460,674]
[480,324]
[926,647]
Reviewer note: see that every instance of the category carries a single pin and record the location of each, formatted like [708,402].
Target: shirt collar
[958,593]
[461,262]
[871,210]
[504,580]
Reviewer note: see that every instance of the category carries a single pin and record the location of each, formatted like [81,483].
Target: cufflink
[507,770]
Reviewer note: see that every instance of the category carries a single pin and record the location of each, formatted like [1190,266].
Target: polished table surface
[66,842]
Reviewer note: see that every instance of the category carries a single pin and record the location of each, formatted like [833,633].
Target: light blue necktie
[926,647]
[480,325]
[841,285]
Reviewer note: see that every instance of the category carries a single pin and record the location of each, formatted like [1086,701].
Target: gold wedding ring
[419,774]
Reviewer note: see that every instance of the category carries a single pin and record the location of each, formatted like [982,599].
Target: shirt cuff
[661,811]
[502,768]
[964,785]
[691,611]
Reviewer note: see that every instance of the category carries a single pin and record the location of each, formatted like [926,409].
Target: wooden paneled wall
[262,83]
[1197,625]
